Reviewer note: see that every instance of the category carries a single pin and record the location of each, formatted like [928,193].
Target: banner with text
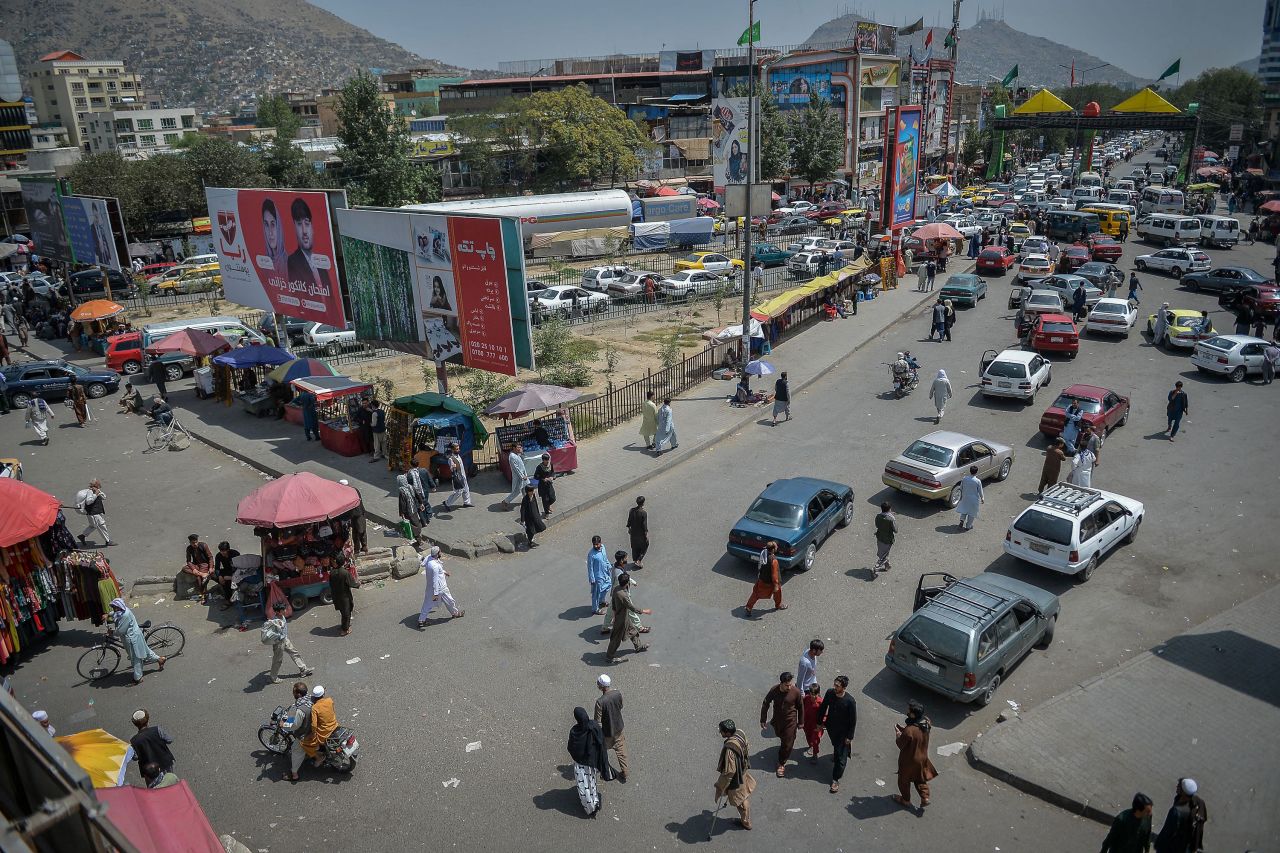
[276,249]
[42,199]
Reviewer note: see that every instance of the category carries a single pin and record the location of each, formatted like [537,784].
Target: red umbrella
[937,231]
[196,342]
[666,191]
[29,512]
[296,499]
[1272,206]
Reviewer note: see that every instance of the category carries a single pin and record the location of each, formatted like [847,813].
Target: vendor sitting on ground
[199,565]
[744,396]
[130,400]
[248,379]
[731,357]
[281,395]
[160,411]
[833,307]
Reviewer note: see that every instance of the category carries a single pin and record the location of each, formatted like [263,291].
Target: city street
[463,726]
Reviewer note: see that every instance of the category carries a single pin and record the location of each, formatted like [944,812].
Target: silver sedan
[933,465]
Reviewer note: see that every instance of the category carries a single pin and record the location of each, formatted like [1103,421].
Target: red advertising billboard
[276,249]
[480,276]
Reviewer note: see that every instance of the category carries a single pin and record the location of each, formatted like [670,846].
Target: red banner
[484,309]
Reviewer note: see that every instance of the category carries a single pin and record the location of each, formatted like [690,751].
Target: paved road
[509,674]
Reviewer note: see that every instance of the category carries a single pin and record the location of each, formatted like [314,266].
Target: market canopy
[300,368]
[99,753]
[327,387]
[296,499]
[195,342]
[779,304]
[1204,187]
[1043,101]
[420,405]
[160,820]
[1146,101]
[946,189]
[96,309]
[527,398]
[28,513]
[253,357]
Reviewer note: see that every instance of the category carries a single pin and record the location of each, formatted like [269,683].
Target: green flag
[1010,77]
[911,29]
[1173,69]
[950,40]
[750,34]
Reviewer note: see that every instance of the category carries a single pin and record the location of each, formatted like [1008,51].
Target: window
[1006,627]
[98,102]
[170,138]
[113,99]
[147,139]
[168,123]
[111,86]
[81,102]
[1091,524]
[987,643]
[815,509]
[95,87]
[146,124]
[77,87]
[188,121]
[126,84]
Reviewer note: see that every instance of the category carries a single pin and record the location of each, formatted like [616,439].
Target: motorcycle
[903,384]
[340,751]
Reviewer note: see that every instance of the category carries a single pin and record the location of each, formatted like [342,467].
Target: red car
[1054,333]
[1260,298]
[1077,256]
[826,210]
[1101,407]
[124,352]
[995,259]
[1105,248]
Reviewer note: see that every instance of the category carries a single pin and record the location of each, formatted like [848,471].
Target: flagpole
[751,180]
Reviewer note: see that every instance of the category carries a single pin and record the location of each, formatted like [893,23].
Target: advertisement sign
[879,74]
[89,231]
[42,199]
[433,148]
[905,165]
[729,155]
[667,207]
[867,37]
[793,87]
[448,288]
[276,249]
[686,60]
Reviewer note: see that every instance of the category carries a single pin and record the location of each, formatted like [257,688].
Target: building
[416,91]
[131,130]
[69,90]
[304,106]
[620,89]
[1269,64]
[326,104]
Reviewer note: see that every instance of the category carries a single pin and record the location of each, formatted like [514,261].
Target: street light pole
[751,179]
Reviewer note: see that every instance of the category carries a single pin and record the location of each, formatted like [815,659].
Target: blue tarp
[692,232]
[650,235]
[679,98]
[253,357]
[637,210]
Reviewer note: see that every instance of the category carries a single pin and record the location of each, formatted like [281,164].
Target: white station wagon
[1070,528]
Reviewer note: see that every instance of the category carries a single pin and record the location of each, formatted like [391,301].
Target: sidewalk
[1203,705]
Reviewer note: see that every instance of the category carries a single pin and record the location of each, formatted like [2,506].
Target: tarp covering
[253,357]
[541,241]
[296,499]
[99,753]
[946,189]
[28,511]
[692,232]
[1043,101]
[650,235]
[419,405]
[733,333]
[1146,101]
[781,303]
[693,149]
[161,820]
[328,387]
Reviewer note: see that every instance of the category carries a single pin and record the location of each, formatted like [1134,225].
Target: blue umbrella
[759,368]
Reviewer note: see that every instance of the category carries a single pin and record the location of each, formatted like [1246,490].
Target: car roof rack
[974,606]
[1069,498]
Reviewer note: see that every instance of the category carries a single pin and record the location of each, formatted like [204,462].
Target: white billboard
[729,155]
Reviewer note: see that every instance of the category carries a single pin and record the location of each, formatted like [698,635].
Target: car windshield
[991,255]
[1091,407]
[930,454]
[1041,525]
[936,638]
[75,368]
[1058,328]
[1044,299]
[1108,308]
[1007,370]
[1220,343]
[767,511]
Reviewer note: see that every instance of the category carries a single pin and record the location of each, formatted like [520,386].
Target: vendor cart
[337,433]
[424,425]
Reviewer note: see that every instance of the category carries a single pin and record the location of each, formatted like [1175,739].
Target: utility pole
[751,181]
[951,86]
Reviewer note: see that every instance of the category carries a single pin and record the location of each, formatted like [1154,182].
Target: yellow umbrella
[96,309]
[101,754]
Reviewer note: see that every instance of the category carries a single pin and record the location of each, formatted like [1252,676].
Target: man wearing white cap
[437,587]
[1183,830]
[42,717]
[608,714]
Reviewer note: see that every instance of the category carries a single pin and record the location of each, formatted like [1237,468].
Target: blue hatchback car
[52,381]
[798,514]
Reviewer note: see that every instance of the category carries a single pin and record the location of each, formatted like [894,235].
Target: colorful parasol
[28,512]
[529,397]
[196,342]
[296,499]
[937,231]
[101,754]
[301,368]
[96,309]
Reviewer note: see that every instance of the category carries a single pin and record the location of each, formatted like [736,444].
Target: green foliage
[274,111]
[611,359]
[1226,96]
[817,141]
[562,357]
[477,388]
[285,163]
[375,147]
[217,162]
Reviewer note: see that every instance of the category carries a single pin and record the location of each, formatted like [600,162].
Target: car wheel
[1124,419]
[810,555]
[1088,570]
[953,498]
[1046,639]
[1194,284]
[20,399]
[989,692]
[96,390]
[1176,272]
[846,516]
[1237,375]
[1133,531]
[1141,265]
[130,367]
[172,373]
[1003,474]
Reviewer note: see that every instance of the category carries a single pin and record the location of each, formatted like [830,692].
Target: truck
[543,214]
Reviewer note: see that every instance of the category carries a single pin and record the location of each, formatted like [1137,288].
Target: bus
[1160,200]
[1068,224]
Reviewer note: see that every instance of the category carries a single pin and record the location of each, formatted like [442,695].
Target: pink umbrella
[708,204]
[194,342]
[937,231]
[296,499]
[666,191]
[1271,206]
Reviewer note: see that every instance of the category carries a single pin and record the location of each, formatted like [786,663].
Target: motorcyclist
[901,371]
[324,722]
[296,721]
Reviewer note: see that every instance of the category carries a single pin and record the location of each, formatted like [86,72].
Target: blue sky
[1140,36]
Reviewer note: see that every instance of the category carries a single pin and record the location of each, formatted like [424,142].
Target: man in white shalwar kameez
[38,415]
[437,587]
[519,476]
[1082,468]
[971,498]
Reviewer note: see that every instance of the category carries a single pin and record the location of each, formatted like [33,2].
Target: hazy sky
[1140,36]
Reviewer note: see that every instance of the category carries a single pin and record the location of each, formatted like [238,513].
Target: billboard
[793,87]
[729,154]
[89,231]
[902,159]
[448,288]
[42,199]
[277,252]
[686,60]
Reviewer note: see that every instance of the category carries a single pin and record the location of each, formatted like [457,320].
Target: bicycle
[166,640]
[174,435]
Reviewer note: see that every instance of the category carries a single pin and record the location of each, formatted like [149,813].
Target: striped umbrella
[300,368]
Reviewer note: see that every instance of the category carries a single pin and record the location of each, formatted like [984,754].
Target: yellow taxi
[1019,231]
[846,217]
[709,261]
[197,279]
[722,223]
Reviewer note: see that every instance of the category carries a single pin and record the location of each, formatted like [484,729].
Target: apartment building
[132,130]
[71,91]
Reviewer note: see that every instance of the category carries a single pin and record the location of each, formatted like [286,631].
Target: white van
[229,327]
[1168,229]
[1118,197]
[1089,179]
[1085,196]
[1161,200]
[1219,231]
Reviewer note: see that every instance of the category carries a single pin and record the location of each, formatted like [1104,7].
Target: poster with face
[89,231]
[729,159]
[42,200]
[905,165]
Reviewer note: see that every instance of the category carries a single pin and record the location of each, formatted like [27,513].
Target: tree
[285,163]
[374,147]
[217,162]
[581,139]
[495,146]
[1226,96]
[817,141]
[274,111]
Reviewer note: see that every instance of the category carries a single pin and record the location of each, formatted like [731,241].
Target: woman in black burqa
[586,748]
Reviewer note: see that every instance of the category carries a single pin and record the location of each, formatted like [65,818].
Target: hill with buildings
[990,48]
[211,54]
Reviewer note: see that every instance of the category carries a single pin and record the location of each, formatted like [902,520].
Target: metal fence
[625,401]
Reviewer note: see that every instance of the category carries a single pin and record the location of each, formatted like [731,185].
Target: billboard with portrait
[42,199]
[89,231]
[448,288]
[277,252]
[903,166]
[730,158]
[792,87]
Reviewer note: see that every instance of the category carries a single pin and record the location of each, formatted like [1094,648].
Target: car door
[1039,371]
[1223,279]
[1111,411]
[815,524]
[985,458]
[59,381]
[1252,356]
[1116,520]
[1008,639]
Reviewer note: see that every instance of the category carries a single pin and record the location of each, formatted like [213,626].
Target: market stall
[337,433]
[98,320]
[423,425]
[551,434]
[303,523]
[200,345]
[227,367]
[99,753]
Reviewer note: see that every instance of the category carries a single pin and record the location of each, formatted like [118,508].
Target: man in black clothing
[1183,830]
[151,743]
[1131,830]
[156,372]
[839,714]
[223,570]
[359,531]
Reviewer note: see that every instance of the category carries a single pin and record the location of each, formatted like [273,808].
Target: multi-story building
[146,130]
[416,92]
[619,89]
[1269,65]
[327,112]
[69,90]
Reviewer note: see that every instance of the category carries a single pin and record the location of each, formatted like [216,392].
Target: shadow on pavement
[1242,663]
[911,506]
[563,800]
[893,692]
[582,611]
[1054,582]
[694,830]
[869,808]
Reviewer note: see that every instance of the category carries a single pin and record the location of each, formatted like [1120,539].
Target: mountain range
[211,54]
[990,48]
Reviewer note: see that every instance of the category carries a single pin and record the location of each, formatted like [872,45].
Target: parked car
[559,300]
[965,636]
[293,327]
[1184,326]
[599,278]
[1112,317]
[1103,408]
[1042,302]
[1053,333]
[88,284]
[1174,261]
[797,207]
[790,225]
[1065,284]
[1261,299]
[124,352]
[966,225]
[1034,246]
[634,283]
[1033,268]
[1076,256]
[995,259]
[333,339]
[797,513]
[825,210]
[687,284]
[808,264]
[1013,373]
[1069,529]
[964,289]
[1233,356]
[202,279]
[933,465]
[769,255]
[1101,274]
[52,380]
[1225,279]
[812,243]
[1104,248]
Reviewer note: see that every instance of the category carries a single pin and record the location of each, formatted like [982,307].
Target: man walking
[931,271]
[151,743]
[276,631]
[914,766]
[666,428]
[648,420]
[1134,287]
[622,624]
[378,430]
[90,502]
[1131,829]
[608,714]
[620,566]
[971,498]
[786,706]
[781,398]
[839,715]
[519,476]
[938,320]
[1270,358]
[156,373]
[886,533]
[458,478]
[437,588]
[1053,459]
[807,671]
[736,782]
[598,575]
[768,581]
[1178,406]
[638,529]
[1183,828]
